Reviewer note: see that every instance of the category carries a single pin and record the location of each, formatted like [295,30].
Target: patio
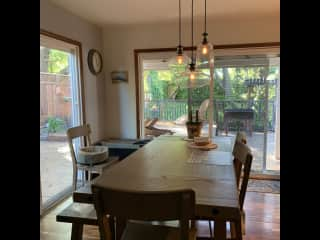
[55,168]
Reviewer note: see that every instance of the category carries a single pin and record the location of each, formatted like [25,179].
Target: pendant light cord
[205,15]
[179,22]
[192,32]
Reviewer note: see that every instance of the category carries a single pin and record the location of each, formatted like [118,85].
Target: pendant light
[193,77]
[205,48]
[180,60]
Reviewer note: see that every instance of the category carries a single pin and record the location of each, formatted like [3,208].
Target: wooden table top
[166,164]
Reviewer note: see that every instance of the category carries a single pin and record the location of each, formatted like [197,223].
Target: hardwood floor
[262,220]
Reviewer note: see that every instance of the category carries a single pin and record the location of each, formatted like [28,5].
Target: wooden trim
[265,177]
[149,50]
[79,45]
[136,72]
[59,37]
[248,45]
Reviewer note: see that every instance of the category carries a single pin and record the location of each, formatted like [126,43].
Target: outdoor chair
[151,130]
[202,113]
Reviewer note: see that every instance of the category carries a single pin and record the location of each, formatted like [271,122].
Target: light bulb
[192,76]
[204,50]
[179,59]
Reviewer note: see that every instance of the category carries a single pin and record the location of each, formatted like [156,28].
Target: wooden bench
[78,214]
[83,194]
[84,213]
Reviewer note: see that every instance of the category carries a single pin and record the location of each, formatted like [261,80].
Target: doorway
[245,79]
[60,109]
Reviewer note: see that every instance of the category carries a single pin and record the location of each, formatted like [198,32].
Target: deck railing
[171,110]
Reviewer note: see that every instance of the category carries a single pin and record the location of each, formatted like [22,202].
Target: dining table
[169,163]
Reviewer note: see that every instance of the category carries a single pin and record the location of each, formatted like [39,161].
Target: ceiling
[105,12]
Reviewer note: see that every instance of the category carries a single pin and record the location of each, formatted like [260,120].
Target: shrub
[55,124]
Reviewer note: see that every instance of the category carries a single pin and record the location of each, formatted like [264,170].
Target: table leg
[238,230]
[120,226]
[220,231]
[193,223]
[233,230]
[76,231]
[106,230]
[243,222]
[226,122]
[112,227]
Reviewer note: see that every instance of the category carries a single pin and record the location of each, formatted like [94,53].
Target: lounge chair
[202,112]
[151,130]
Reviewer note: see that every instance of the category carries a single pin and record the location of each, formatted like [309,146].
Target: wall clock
[94,61]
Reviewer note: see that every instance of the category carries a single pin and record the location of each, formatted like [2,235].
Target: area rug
[264,186]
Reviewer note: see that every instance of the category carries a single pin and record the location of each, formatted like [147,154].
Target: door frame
[82,118]
[234,49]
[81,81]
[137,71]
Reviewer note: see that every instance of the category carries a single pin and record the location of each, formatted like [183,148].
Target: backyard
[240,89]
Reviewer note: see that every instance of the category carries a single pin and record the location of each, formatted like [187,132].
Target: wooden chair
[131,208]
[78,132]
[242,162]
[241,137]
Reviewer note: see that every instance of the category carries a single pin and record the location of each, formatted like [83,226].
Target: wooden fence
[55,97]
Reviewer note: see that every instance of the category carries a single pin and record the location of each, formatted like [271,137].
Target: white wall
[59,21]
[120,41]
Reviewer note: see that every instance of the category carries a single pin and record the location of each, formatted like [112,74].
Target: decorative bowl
[93,154]
[201,141]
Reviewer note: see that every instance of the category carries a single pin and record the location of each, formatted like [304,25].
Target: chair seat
[141,231]
[98,167]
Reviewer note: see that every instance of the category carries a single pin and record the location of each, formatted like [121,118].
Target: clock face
[94,61]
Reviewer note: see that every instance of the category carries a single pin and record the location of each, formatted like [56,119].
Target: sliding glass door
[60,108]
[246,98]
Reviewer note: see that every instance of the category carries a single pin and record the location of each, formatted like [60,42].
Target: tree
[58,61]
[54,61]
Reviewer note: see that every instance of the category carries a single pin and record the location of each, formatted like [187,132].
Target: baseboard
[261,176]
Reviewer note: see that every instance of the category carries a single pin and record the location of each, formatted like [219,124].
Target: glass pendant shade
[193,78]
[179,60]
[205,52]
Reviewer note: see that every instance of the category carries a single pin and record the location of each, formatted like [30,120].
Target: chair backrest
[241,137]
[78,132]
[203,108]
[144,206]
[242,160]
